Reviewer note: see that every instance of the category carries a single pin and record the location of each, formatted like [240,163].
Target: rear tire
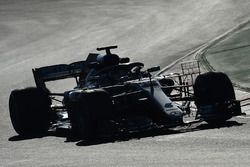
[214,89]
[30,111]
[89,112]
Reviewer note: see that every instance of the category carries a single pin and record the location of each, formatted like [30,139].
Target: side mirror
[124,60]
[154,69]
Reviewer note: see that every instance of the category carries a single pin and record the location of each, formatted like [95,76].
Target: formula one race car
[113,95]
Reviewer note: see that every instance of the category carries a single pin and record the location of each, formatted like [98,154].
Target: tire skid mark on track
[245,102]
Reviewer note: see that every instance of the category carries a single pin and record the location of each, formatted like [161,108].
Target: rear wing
[77,70]
[57,72]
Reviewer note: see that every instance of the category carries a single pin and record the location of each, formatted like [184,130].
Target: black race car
[113,95]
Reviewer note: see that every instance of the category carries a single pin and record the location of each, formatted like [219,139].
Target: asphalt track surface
[35,33]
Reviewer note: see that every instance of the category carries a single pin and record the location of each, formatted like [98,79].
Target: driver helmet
[108,59]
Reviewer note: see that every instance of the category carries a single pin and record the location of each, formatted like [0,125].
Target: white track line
[198,52]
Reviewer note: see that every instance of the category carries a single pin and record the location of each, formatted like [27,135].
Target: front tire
[213,92]
[30,111]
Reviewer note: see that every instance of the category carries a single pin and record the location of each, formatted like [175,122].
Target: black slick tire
[30,111]
[214,88]
[89,112]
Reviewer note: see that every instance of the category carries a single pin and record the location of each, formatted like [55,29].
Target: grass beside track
[232,56]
